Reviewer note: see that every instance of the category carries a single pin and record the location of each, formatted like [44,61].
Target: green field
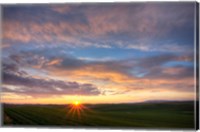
[166,115]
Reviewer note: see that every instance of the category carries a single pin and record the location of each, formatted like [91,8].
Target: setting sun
[76,103]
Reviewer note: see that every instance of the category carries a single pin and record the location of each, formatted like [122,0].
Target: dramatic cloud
[112,50]
[136,26]
[48,87]
[152,67]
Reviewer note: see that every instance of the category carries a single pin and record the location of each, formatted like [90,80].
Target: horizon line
[146,101]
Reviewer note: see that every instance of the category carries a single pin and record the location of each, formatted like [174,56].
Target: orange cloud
[54,62]
[107,79]
[15,31]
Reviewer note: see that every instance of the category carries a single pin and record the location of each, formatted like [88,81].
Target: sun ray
[76,110]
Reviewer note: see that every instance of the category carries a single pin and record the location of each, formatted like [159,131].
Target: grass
[166,115]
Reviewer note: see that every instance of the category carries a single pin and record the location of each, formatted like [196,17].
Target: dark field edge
[197,66]
[100,127]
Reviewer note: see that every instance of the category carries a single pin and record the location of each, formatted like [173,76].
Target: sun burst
[76,103]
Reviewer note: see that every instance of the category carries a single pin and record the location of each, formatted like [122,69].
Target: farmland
[162,115]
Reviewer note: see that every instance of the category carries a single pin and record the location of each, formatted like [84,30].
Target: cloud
[104,49]
[115,75]
[155,67]
[148,70]
[152,67]
[61,8]
[54,62]
[172,73]
[47,87]
[138,26]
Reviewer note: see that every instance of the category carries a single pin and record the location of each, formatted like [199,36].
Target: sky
[97,53]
